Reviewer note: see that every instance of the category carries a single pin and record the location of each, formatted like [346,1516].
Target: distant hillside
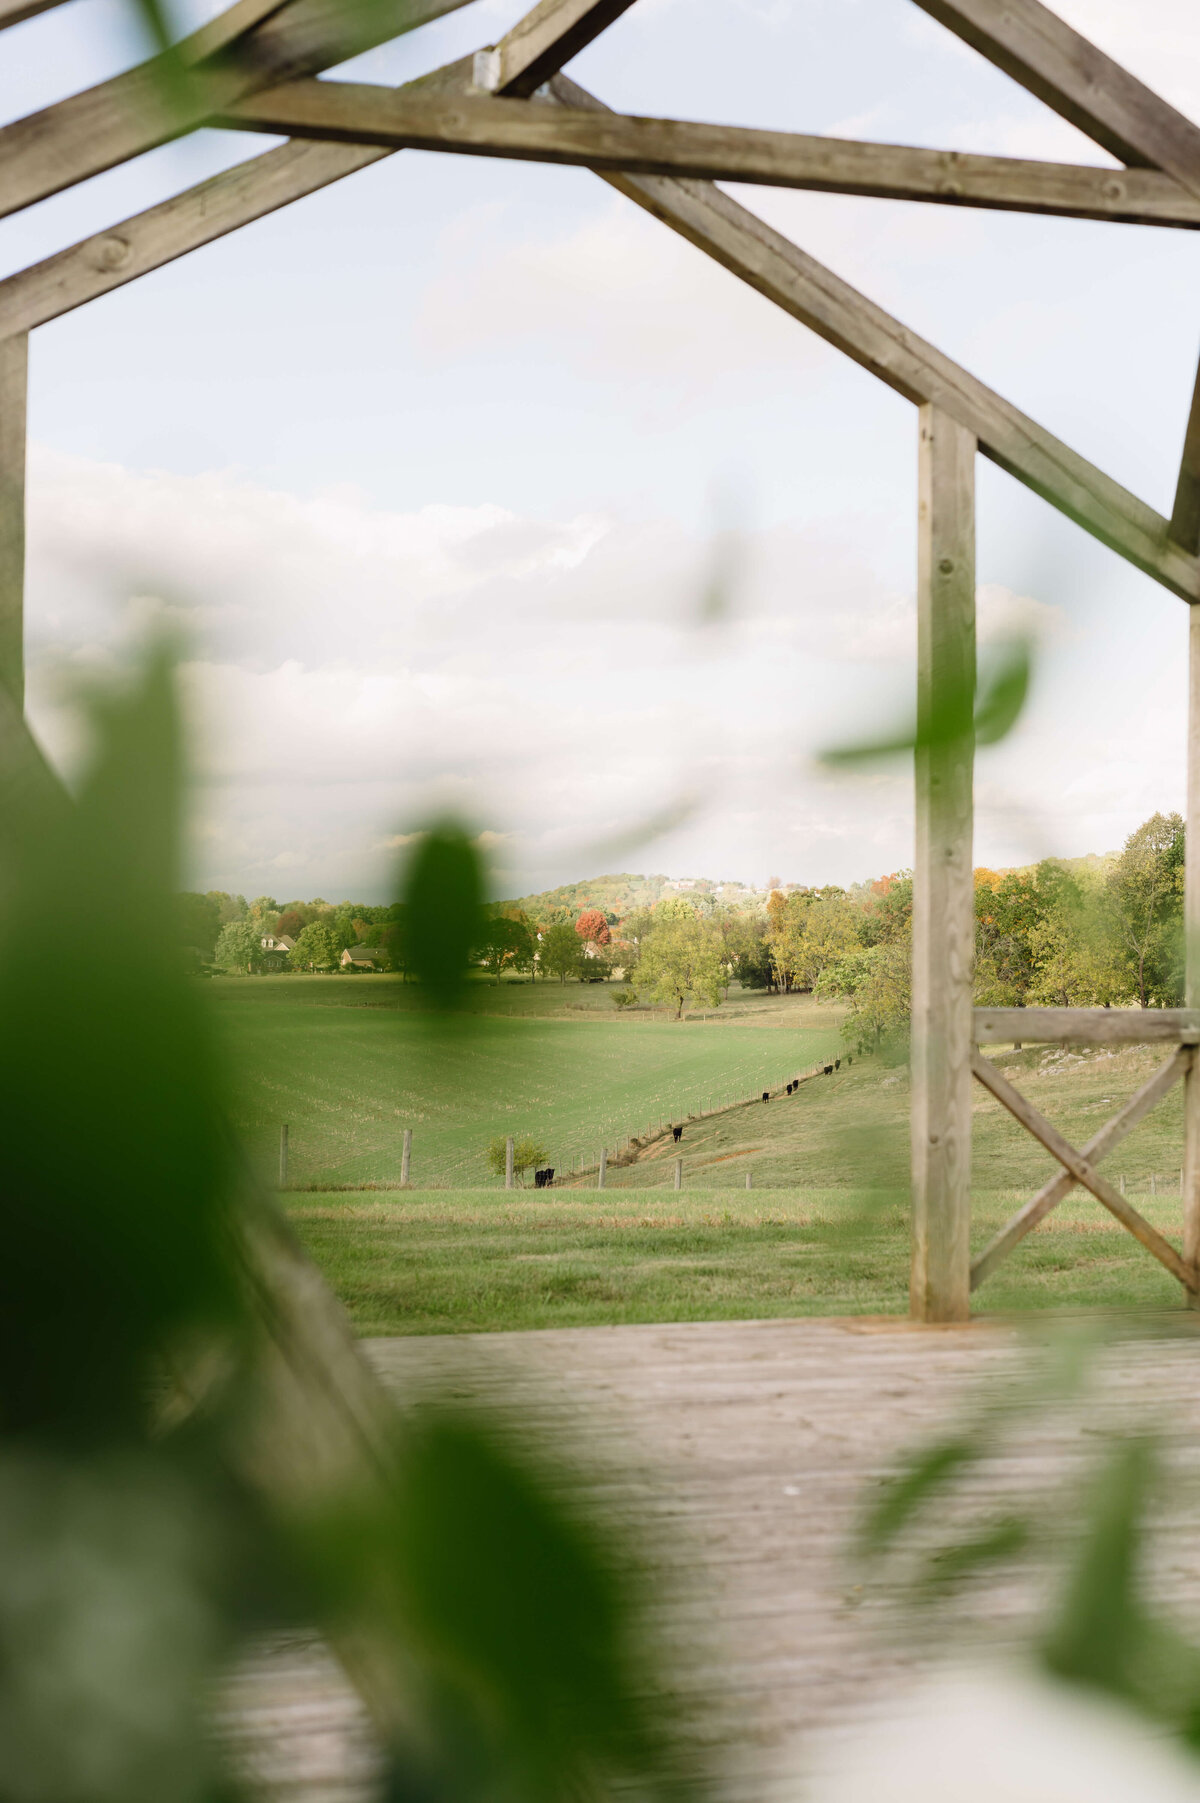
[621,894]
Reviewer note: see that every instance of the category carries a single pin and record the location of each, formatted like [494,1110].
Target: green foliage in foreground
[477,1262]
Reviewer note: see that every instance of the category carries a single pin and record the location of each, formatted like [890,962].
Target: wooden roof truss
[256,68]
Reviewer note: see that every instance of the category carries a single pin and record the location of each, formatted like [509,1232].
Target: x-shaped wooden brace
[1079,1166]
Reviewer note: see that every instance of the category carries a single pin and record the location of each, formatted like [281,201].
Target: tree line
[1074,934]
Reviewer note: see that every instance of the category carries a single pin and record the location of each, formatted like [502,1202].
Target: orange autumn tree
[592,925]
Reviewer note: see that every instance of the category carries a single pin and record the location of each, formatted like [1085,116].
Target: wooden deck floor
[748,1446]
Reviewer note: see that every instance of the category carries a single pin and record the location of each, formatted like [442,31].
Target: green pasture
[480,1261]
[349,1062]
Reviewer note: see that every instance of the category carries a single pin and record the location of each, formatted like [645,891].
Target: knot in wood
[946,566]
[112,251]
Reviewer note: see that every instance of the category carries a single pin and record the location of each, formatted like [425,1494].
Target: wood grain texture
[943,885]
[1099,1146]
[14,386]
[1191,928]
[746,1451]
[1087,1026]
[543,41]
[1079,81]
[786,275]
[361,113]
[120,119]
[1082,1170]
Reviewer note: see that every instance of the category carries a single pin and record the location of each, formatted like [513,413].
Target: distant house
[277,942]
[364,957]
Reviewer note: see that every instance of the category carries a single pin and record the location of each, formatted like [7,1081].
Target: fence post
[679,1173]
[406,1157]
[508,1162]
[283,1156]
[603,1172]
[1154,1183]
[749,1175]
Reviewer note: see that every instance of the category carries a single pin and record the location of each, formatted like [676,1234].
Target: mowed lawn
[349,1063]
[479,1261]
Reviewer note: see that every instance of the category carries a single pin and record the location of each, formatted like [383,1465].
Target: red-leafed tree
[592,925]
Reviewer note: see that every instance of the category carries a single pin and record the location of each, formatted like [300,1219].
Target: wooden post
[679,1173]
[749,1175]
[943,893]
[508,1162]
[406,1157]
[1190,1187]
[14,378]
[603,1171]
[283,1156]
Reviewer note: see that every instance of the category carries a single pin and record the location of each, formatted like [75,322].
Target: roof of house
[363,954]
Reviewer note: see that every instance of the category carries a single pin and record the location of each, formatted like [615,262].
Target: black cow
[543,1179]
[678,1134]
[829,1070]
[766,1095]
[837,1064]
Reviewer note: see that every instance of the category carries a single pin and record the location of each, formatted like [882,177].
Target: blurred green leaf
[117,1163]
[926,1473]
[998,1541]
[990,707]
[1001,695]
[443,898]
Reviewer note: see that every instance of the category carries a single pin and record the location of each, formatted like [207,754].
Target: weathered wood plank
[541,43]
[15,12]
[14,383]
[1191,928]
[786,275]
[135,112]
[943,886]
[148,240]
[1079,81]
[1099,1146]
[1087,1026]
[359,113]
[1185,510]
[1083,1171]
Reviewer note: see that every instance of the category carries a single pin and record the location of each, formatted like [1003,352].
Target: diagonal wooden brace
[1082,1170]
[1098,1147]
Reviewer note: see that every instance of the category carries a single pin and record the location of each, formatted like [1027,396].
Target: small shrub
[625,998]
[527,1154]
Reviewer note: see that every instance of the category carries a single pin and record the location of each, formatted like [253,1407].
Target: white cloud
[356,670]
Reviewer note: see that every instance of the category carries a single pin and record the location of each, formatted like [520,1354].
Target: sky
[436,472]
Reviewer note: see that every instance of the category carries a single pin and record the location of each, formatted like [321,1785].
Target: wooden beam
[1191,929]
[359,113]
[1098,1147]
[151,239]
[1078,81]
[120,119]
[1082,1170]
[14,381]
[1185,512]
[15,12]
[541,43]
[786,275]
[943,885]
[1087,1026]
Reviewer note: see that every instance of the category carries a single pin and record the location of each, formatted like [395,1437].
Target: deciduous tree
[681,958]
[560,953]
[316,948]
[592,926]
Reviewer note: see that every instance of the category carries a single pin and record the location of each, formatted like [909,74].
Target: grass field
[477,1262]
[348,1063]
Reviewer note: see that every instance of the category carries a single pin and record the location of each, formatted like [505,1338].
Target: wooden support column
[943,889]
[1191,918]
[14,371]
